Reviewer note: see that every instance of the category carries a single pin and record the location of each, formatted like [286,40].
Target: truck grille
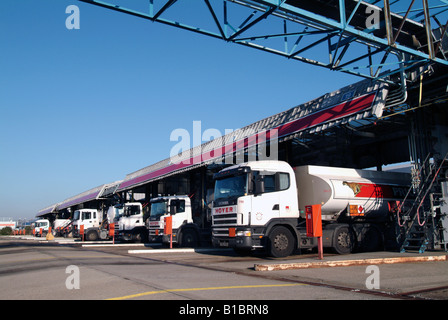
[230,219]
[152,231]
[222,222]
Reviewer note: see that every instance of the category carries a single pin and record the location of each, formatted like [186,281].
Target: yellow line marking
[207,288]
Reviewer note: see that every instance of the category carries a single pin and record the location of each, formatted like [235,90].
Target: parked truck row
[260,205]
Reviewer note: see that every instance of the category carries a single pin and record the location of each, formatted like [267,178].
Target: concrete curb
[110,244]
[177,250]
[346,263]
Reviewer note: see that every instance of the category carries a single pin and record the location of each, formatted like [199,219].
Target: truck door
[87,219]
[287,193]
[179,212]
[266,201]
[133,217]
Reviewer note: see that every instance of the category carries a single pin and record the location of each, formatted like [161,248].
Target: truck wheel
[189,238]
[91,236]
[281,242]
[343,240]
[144,237]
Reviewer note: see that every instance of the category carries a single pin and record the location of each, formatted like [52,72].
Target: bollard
[81,231]
[168,229]
[112,232]
[314,226]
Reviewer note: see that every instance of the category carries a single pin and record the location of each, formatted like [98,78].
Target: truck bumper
[125,236]
[161,237]
[240,238]
[242,243]
[166,238]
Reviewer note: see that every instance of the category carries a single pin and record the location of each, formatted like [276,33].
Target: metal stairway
[65,229]
[418,225]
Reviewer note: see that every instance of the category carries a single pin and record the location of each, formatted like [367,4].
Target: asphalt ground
[35,269]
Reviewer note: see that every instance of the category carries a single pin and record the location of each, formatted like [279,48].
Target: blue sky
[80,108]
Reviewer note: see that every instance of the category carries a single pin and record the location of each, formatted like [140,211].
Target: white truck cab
[89,218]
[41,224]
[185,231]
[131,224]
[91,221]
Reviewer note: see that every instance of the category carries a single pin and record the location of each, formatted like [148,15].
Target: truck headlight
[246,233]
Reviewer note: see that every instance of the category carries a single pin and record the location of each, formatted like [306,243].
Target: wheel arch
[290,225]
[187,227]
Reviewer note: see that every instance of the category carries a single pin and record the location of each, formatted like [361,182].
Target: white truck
[187,230]
[131,224]
[261,205]
[41,225]
[95,226]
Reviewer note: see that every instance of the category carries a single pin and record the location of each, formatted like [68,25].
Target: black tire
[92,235]
[144,237]
[189,238]
[343,241]
[139,236]
[281,242]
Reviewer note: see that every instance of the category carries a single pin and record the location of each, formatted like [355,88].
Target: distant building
[7,222]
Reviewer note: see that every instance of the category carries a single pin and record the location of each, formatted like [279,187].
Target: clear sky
[80,108]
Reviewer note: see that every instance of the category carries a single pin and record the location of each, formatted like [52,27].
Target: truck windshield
[76,215]
[118,212]
[231,187]
[131,210]
[158,209]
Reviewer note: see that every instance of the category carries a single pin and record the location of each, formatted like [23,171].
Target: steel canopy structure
[334,129]
[373,39]
[353,108]
[93,194]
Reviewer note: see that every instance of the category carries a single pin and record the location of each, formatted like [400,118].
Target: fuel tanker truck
[261,205]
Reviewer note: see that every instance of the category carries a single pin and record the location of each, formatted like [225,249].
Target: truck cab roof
[164,198]
[262,165]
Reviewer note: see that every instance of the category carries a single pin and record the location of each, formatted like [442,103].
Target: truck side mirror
[173,208]
[259,185]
